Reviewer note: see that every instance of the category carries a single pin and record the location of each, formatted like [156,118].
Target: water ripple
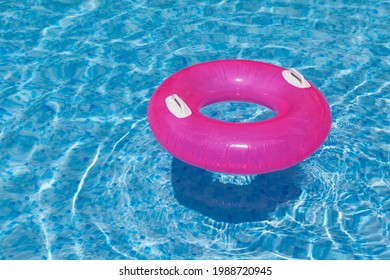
[82,177]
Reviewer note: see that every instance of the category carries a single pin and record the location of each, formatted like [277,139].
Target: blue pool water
[82,177]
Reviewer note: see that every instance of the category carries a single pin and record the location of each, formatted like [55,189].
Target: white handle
[177,106]
[293,77]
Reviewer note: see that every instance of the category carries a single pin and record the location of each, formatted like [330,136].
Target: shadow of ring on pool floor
[195,188]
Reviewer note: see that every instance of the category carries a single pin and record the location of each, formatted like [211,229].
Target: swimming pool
[82,177]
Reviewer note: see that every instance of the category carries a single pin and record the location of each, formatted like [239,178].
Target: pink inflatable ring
[301,124]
